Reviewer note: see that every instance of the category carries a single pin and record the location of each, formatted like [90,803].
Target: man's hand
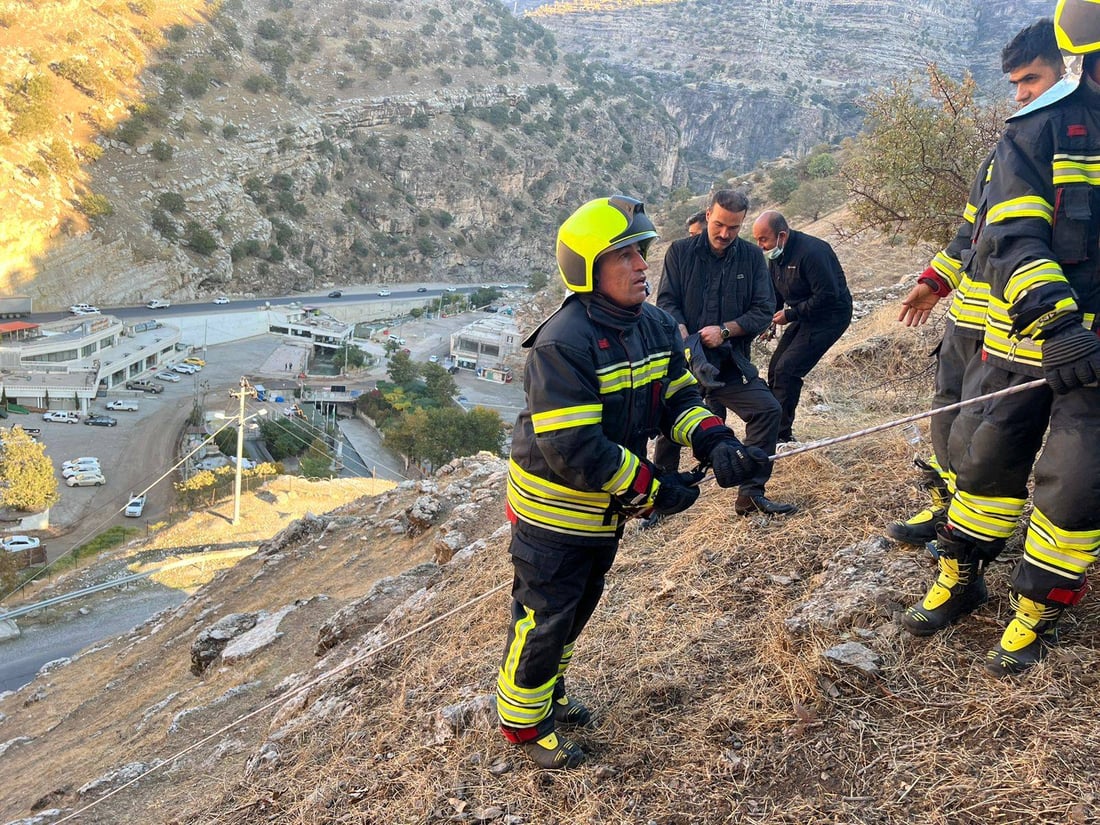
[673,496]
[1071,359]
[734,463]
[917,306]
[711,336]
[780,318]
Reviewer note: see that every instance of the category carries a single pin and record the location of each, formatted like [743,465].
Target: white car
[221,299]
[84,459]
[79,469]
[185,369]
[167,376]
[383,293]
[64,416]
[83,309]
[452,289]
[159,303]
[91,478]
[123,404]
[135,506]
[14,544]
[434,359]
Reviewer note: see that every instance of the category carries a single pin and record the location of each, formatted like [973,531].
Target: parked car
[185,369]
[31,431]
[167,376]
[159,303]
[64,416]
[83,309]
[88,479]
[293,411]
[123,404]
[135,506]
[84,459]
[16,544]
[194,361]
[221,299]
[434,359]
[80,469]
[383,293]
[144,386]
[101,420]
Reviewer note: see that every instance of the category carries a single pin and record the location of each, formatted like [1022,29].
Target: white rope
[815,445]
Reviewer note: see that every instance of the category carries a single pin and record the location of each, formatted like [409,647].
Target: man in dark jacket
[717,286]
[605,373]
[812,303]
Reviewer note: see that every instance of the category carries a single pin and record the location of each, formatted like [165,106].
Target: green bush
[199,239]
[172,202]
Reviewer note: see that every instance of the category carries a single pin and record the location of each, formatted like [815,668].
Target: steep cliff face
[289,146]
[766,78]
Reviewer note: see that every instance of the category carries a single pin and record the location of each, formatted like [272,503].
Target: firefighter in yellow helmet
[1039,251]
[605,373]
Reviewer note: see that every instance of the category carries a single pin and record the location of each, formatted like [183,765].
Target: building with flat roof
[64,364]
[485,344]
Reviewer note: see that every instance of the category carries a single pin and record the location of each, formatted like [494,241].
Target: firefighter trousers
[953,355]
[555,590]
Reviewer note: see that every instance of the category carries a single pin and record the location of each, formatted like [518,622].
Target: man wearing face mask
[812,303]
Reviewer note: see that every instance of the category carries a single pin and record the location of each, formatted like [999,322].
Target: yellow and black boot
[567,710]
[545,746]
[959,588]
[1032,631]
[921,528]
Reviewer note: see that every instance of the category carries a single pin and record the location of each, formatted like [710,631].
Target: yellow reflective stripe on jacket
[687,422]
[1076,169]
[985,517]
[625,375]
[560,419]
[1000,341]
[557,507]
[947,267]
[1031,275]
[685,380]
[1029,206]
[1057,550]
[621,479]
[968,305]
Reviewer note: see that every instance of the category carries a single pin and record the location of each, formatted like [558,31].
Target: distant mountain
[751,81]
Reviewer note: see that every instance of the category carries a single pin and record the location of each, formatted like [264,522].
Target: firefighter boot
[567,710]
[959,588]
[921,528]
[1029,635]
[544,746]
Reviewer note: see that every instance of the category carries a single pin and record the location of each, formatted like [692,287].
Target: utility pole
[246,391]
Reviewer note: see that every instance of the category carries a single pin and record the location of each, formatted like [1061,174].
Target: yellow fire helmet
[1077,26]
[598,227]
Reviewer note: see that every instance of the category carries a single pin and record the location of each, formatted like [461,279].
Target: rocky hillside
[749,83]
[286,145]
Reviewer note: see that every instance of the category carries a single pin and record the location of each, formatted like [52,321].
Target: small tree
[26,473]
[403,370]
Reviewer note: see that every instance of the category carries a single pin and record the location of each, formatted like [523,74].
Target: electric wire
[283,698]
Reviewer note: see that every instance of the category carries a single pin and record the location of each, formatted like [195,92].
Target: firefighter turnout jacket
[600,382]
[1040,248]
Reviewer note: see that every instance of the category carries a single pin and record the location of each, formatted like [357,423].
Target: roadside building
[484,345]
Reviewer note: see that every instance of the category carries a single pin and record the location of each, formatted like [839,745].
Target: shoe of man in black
[747,505]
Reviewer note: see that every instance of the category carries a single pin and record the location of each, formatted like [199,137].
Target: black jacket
[699,289]
[808,279]
[1040,247]
[599,384]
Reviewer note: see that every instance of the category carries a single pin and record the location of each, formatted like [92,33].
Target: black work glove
[734,463]
[674,496]
[1071,359]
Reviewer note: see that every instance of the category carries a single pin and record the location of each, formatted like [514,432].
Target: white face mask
[774,253]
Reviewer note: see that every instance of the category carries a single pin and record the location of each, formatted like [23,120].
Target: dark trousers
[798,351]
[555,590]
[754,404]
[952,356]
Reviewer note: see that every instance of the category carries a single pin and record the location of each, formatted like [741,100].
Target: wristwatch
[725,332]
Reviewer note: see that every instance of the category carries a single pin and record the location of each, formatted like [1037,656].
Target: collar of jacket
[603,312]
